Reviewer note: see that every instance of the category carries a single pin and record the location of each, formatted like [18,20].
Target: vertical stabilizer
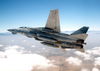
[80,33]
[53,21]
[82,30]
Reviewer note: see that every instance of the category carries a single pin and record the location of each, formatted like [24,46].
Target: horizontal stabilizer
[79,36]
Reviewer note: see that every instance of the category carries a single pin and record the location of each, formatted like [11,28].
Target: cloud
[33,46]
[24,40]
[11,50]
[12,40]
[13,47]
[95,69]
[68,49]
[14,58]
[43,48]
[83,69]
[89,54]
[1,45]
[97,61]
[94,51]
[74,61]
[84,55]
[93,55]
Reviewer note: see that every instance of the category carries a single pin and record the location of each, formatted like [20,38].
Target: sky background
[73,14]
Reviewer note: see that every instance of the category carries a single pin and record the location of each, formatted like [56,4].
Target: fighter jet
[51,35]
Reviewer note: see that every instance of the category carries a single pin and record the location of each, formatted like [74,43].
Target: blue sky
[34,13]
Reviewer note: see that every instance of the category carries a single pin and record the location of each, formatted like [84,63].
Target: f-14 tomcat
[51,35]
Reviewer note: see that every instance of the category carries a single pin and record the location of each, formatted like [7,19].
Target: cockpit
[22,27]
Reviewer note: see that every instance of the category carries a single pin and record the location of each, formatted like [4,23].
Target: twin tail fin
[80,33]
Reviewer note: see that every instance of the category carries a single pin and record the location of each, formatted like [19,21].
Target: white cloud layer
[24,40]
[33,46]
[89,54]
[97,61]
[84,69]
[94,51]
[74,61]
[95,69]
[1,45]
[84,55]
[43,48]
[12,40]
[93,55]
[14,59]
[68,49]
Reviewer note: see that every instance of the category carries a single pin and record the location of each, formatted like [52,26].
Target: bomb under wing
[50,35]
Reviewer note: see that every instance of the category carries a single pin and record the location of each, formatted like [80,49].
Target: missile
[46,39]
[49,44]
[64,45]
[62,48]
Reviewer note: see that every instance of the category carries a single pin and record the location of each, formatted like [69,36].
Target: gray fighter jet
[51,35]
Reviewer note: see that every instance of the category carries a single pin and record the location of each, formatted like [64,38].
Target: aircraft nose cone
[11,30]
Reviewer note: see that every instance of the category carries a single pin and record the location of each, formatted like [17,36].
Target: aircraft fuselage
[51,36]
[43,34]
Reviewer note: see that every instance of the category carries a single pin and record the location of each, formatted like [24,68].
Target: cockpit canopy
[22,27]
